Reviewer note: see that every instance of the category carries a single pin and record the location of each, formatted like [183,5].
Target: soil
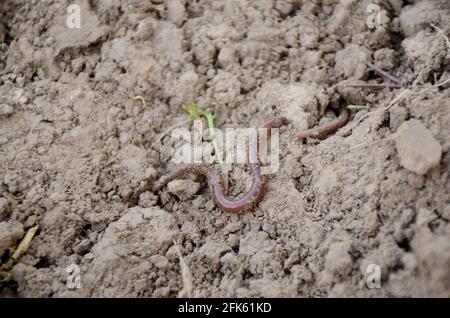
[79,150]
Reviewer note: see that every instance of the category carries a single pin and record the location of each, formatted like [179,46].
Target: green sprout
[195,113]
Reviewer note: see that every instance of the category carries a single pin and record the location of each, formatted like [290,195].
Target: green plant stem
[357,107]
[210,120]
[194,113]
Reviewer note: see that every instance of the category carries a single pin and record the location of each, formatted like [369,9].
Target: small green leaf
[193,110]
[195,113]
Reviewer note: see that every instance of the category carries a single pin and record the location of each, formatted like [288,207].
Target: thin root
[373,85]
[20,250]
[164,134]
[441,33]
[141,99]
[186,275]
[394,101]
[384,74]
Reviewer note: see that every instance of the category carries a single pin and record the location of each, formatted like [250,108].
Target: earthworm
[325,130]
[251,198]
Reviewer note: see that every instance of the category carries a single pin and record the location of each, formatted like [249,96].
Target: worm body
[325,130]
[250,199]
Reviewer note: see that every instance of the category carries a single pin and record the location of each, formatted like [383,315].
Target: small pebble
[5,110]
[183,189]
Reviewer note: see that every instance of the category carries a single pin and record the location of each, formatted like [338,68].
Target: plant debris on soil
[85,121]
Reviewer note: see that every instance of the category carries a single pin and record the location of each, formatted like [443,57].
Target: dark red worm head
[324,130]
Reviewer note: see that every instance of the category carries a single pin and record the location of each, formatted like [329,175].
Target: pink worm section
[251,198]
[325,130]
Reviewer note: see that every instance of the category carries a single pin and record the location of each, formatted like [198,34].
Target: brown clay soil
[78,150]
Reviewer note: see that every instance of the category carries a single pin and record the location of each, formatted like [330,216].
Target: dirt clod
[183,189]
[418,149]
